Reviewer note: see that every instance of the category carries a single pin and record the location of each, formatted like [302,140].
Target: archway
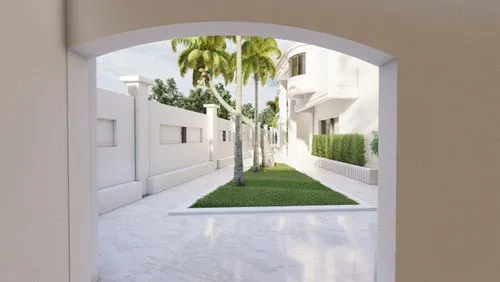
[81,76]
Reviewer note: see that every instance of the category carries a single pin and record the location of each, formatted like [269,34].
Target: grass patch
[277,186]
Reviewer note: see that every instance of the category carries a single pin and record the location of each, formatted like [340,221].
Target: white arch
[385,268]
[142,36]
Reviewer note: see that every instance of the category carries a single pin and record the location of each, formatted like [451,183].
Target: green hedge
[347,148]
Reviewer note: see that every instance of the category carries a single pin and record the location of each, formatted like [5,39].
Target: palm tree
[238,148]
[257,63]
[274,105]
[207,57]
[275,109]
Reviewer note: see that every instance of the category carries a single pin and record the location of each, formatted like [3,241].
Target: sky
[157,60]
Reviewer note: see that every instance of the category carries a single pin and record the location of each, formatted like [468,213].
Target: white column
[386,240]
[283,115]
[138,87]
[265,135]
[212,129]
[82,168]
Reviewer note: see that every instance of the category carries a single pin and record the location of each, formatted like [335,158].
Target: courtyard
[142,242]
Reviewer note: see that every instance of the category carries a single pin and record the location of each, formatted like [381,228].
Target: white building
[325,92]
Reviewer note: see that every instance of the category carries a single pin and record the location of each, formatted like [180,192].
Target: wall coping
[211,106]
[135,79]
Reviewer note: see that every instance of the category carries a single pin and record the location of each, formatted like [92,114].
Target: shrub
[336,147]
[374,143]
[347,148]
[314,150]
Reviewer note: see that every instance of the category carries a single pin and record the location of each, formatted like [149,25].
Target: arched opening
[82,92]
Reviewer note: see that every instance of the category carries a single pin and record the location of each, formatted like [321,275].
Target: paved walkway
[140,242]
[367,194]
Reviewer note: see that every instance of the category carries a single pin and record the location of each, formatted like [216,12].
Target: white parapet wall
[144,147]
[225,137]
[115,151]
[161,182]
[227,161]
[115,196]
[179,147]
[359,173]
[167,149]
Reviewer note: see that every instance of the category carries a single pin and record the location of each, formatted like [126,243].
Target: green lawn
[277,186]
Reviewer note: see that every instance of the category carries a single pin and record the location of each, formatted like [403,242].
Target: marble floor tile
[141,243]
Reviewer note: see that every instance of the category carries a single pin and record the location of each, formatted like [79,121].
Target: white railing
[359,173]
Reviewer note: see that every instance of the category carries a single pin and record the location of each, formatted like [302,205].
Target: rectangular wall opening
[106,133]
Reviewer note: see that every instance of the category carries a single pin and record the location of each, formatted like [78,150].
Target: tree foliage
[374,143]
[266,116]
[207,57]
[269,115]
[257,58]
[248,110]
[166,92]
[274,105]
[200,96]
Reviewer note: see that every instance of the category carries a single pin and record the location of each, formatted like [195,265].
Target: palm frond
[194,57]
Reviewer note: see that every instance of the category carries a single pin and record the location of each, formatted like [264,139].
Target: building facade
[325,92]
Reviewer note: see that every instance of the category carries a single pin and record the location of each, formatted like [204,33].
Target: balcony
[300,85]
[308,101]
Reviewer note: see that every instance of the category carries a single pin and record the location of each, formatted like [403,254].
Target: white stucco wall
[344,87]
[358,115]
[225,149]
[174,155]
[300,132]
[115,120]
[247,137]
[283,119]
[316,69]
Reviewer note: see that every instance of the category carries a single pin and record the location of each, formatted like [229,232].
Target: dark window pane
[183,134]
[323,127]
[302,63]
[297,64]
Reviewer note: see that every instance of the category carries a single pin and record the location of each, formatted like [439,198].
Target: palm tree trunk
[226,105]
[262,146]
[220,99]
[256,166]
[238,148]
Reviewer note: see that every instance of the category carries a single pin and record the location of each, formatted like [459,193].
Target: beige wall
[448,103]
[33,143]
[448,106]
[82,167]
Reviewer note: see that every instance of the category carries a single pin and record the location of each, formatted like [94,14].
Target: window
[323,127]
[183,134]
[223,136]
[297,64]
[329,126]
[229,136]
[334,125]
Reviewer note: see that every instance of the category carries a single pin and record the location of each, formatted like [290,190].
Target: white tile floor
[140,242]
